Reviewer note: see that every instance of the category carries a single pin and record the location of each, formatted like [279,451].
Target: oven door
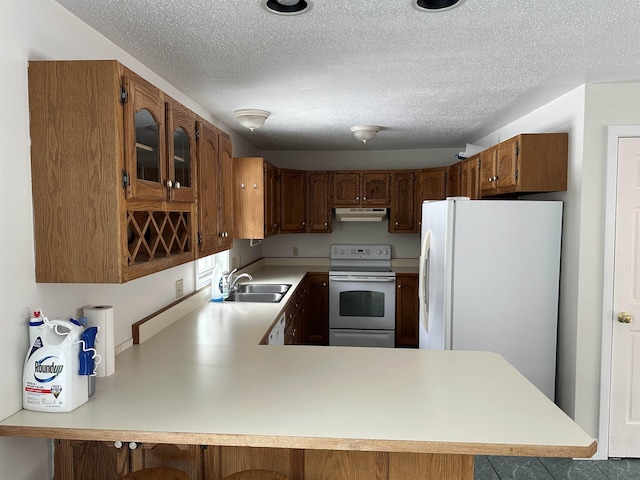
[362,302]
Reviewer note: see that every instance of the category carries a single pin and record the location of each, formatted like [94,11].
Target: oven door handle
[363,279]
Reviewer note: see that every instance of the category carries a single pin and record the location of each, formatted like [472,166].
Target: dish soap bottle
[216,282]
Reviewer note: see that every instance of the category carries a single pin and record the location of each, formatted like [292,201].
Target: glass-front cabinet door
[144,135]
[181,149]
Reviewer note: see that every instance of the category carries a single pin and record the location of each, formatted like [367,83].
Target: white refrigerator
[489,280]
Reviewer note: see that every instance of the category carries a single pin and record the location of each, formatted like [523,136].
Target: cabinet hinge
[199,239]
[516,175]
[446,176]
[124,96]
[478,163]
[197,134]
[517,150]
[125,179]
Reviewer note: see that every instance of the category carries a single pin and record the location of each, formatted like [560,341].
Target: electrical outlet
[179,288]
[295,251]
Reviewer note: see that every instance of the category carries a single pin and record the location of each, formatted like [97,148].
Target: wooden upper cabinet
[454,180]
[255,194]
[181,152]
[376,189]
[470,178]
[318,209]
[293,185]
[402,215]
[346,189]
[101,208]
[272,199]
[145,139]
[526,163]
[361,188]
[225,195]
[431,184]
[215,190]
[488,170]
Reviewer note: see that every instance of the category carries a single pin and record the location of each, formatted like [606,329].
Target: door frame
[614,132]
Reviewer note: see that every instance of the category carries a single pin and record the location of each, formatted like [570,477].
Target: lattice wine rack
[152,235]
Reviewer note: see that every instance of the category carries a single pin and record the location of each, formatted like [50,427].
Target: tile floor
[532,468]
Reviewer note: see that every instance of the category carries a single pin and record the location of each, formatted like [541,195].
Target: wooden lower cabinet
[316,318]
[407,310]
[81,460]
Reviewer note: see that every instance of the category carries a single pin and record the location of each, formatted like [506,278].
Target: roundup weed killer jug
[51,377]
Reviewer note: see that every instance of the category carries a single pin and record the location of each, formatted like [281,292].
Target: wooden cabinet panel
[316,319]
[346,465]
[225,195]
[271,200]
[346,189]
[375,189]
[293,194]
[181,152]
[255,198]
[454,180]
[215,194]
[187,458]
[426,465]
[469,178]
[221,462]
[79,460]
[402,216]
[293,334]
[488,170]
[431,185]
[407,310]
[319,210]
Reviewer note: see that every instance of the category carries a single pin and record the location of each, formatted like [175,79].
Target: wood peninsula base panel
[77,459]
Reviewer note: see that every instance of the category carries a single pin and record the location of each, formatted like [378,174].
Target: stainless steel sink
[264,288]
[254,297]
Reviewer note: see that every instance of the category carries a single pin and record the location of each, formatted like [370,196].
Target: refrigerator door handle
[423,281]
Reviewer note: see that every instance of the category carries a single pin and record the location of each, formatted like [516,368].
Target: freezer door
[435,226]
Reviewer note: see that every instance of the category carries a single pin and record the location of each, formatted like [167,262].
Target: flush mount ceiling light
[436,5]
[365,132]
[287,7]
[251,118]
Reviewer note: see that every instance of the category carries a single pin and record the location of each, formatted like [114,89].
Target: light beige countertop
[205,380]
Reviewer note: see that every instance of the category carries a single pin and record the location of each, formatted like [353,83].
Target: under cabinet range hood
[361,214]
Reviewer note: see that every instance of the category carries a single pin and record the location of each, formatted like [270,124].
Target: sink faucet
[232,278]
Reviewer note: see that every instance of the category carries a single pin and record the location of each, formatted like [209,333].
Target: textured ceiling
[429,79]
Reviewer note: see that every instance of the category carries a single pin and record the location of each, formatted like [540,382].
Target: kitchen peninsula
[310,412]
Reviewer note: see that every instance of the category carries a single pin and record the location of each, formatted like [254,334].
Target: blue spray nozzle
[87,353]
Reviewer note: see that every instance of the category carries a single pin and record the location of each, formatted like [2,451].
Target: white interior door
[624,422]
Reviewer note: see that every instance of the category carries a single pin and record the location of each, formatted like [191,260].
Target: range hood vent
[361,214]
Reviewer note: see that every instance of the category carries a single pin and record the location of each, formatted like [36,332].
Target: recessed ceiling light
[436,5]
[287,7]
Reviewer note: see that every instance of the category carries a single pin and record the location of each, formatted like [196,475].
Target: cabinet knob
[177,185]
[399,286]
[495,178]
[117,444]
[364,198]
[133,445]
[304,223]
[357,198]
[242,185]
[255,186]
[325,224]
[397,224]
[324,284]
[169,184]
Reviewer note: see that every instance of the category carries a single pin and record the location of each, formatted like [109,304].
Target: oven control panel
[362,252]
